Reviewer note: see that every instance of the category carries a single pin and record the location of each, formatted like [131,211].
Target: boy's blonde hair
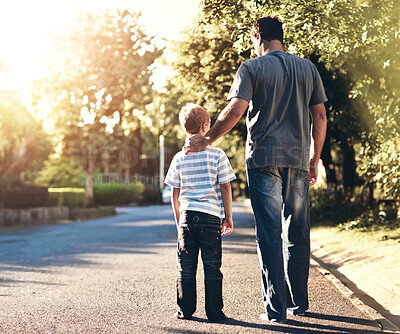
[192,117]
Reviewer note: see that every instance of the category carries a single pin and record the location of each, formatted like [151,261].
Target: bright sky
[25,24]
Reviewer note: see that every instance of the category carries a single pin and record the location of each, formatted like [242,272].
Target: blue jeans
[199,231]
[279,197]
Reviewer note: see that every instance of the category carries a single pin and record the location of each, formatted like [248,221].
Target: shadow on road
[146,231]
[140,230]
[57,245]
[294,326]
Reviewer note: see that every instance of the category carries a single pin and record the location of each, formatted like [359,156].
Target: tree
[359,42]
[207,58]
[354,44]
[23,143]
[61,172]
[100,75]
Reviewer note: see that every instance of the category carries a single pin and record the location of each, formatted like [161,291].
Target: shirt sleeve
[242,85]
[225,172]
[173,179]
[318,95]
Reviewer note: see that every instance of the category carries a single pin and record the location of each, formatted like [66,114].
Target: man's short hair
[269,27]
[192,117]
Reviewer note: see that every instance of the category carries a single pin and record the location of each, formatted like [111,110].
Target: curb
[358,298]
[46,217]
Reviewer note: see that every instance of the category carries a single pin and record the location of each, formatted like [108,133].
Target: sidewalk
[366,262]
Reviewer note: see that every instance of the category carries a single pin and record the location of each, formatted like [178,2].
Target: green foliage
[359,42]
[71,197]
[59,172]
[105,194]
[24,197]
[11,181]
[328,209]
[150,195]
[356,46]
[207,58]
[98,85]
[117,193]
[382,216]
[377,88]
[232,144]
[23,143]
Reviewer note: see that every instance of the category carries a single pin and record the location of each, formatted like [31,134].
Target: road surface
[117,275]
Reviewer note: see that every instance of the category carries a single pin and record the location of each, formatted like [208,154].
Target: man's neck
[270,46]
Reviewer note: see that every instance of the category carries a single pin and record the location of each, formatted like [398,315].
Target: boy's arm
[226,193]
[175,203]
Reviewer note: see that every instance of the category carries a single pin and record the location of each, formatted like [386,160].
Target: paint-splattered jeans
[279,197]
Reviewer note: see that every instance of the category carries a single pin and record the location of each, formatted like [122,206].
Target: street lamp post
[162,152]
[162,159]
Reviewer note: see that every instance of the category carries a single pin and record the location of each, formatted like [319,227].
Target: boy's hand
[227,226]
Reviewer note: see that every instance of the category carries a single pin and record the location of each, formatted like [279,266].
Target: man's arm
[226,194]
[175,204]
[226,120]
[318,133]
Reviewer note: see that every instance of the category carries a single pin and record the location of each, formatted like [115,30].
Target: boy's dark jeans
[199,231]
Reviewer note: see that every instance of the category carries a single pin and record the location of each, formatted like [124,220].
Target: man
[281,91]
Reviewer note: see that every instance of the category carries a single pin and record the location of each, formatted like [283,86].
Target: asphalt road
[117,275]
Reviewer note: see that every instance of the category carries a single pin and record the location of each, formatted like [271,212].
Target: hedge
[71,197]
[24,197]
[118,193]
[150,195]
[104,194]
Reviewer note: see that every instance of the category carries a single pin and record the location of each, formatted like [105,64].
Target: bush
[60,172]
[10,181]
[118,193]
[383,215]
[71,197]
[24,197]
[104,194]
[150,194]
[329,208]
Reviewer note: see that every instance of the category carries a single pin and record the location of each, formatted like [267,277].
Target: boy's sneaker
[180,315]
[265,316]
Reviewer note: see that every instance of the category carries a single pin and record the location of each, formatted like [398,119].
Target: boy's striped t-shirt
[198,175]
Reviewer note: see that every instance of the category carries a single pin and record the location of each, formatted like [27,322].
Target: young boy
[201,196]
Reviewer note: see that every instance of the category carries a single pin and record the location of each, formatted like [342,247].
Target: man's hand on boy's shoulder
[195,143]
[227,226]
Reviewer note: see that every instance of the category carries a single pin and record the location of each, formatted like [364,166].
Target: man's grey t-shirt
[280,89]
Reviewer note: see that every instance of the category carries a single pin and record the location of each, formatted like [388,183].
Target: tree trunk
[127,174]
[368,194]
[89,189]
[348,171]
[138,135]
[371,198]
[326,157]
